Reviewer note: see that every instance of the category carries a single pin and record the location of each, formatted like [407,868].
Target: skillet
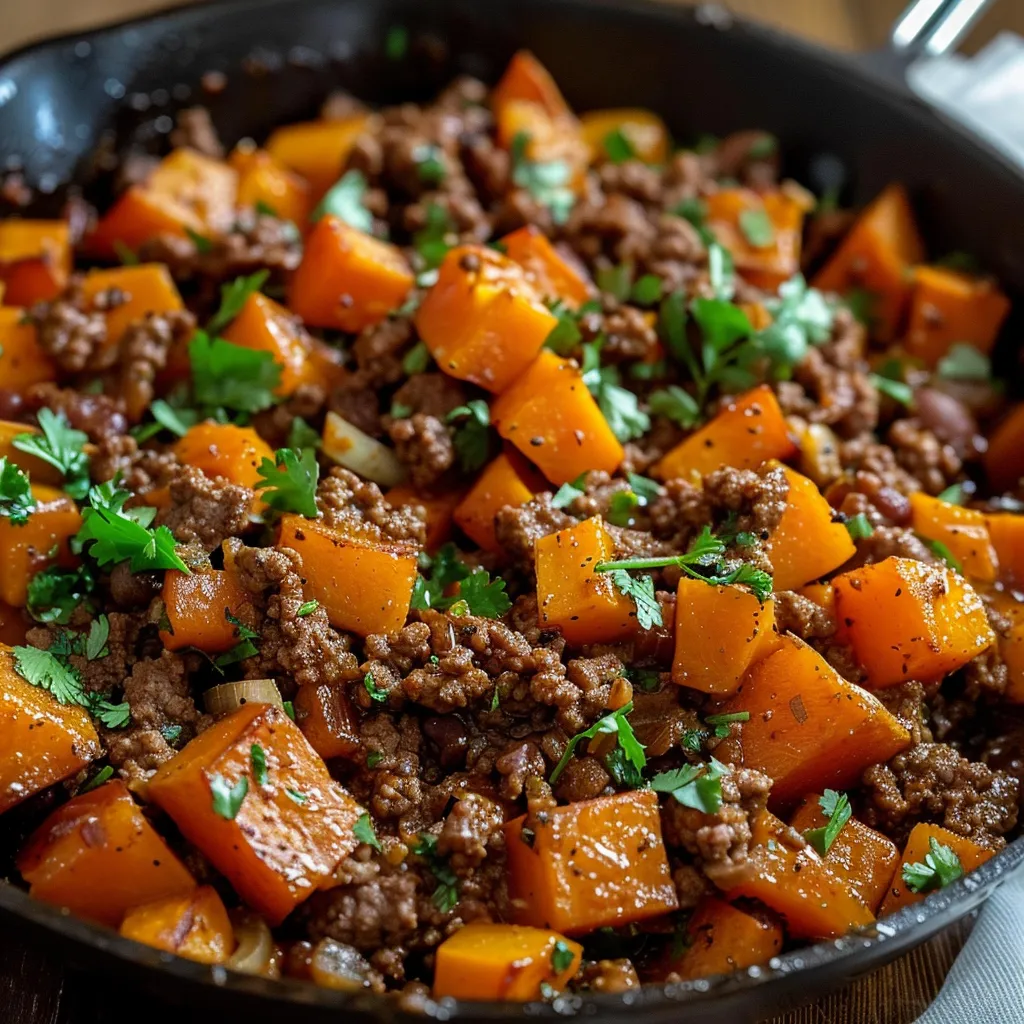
[68,107]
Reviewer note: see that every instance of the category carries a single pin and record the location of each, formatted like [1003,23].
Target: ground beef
[72,336]
[100,417]
[205,511]
[950,420]
[614,227]
[934,782]
[518,528]
[909,703]
[357,403]
[521,761]
[628,336]
[378,912]
[140,468]
[195,130]
[930,462]
[471,832]
[144,350]
[433,394]
[379,349]
[610,976]
[424,446]
[351,503]
[797,614]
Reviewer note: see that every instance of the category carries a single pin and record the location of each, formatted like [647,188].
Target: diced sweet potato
[98,856]
[440,510]
[949,308]
[720,939]
[551,417]
[592,864]
[41,740]
[327,720]
[41,472]
[715,658]
[822,595]
[197,605]
[287,835]
[526,78]
[809,728]
[14,624]
[316,149]
[483,320]
[224,450]
[37,544]
[860,858]
[806,544]
[876,256]
[970,853]
[207,187]
[643,130]
[748,431]
[962,530]
[347,280]
[498,486]
[137,216]
[571,596]
[793,882]
[549,140]
[194,926]
[265,182]
[146,288]
[22,360]
[1004,459]
[1010,638]
[35,260]
[908,620]
[552,275]
[1006,532]
[331,560]
[503,962]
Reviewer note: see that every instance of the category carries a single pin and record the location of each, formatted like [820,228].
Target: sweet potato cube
[548,139]
[224,450]
[876,256]
[498,486]
[592,864]
[207,187]
[41,740]
[40,472]
[483,320]
[98,856]
[35,260]
[197,605]
[806,544]
[137,216]
[287,836]
[1006,532]
[440,510]
[502,963]
[142,289]
[41,542]
[748,431]
[792,880]
[316,149]
[1010,638]
[331,560]
[552,275]
[908,620]
[551,417]
[918,847]
[327,720]
[14,625]
[265,182]
[22,360]
[719,633]
[1004,459]
[809,728]
[194,926]
[949,308]
[571,596]
[963,531]
[643,130]
[721,939]
[526,78]
[859,857]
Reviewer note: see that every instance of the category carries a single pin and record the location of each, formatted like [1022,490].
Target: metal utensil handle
[933,27]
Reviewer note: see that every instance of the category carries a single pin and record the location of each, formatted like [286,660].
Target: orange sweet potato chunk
[146,288]
[483,320]
[22,361]
[715,658]
[592,864]
[806,544]
[41,740]
[526,78]
[264,181]
[792,881]
[316,149]
[197,605]
[859,857]
[327,720]
[194,926]
[440,510]
[643,130]
[501,963]
[908,620]
[721,938]
[40,472]
[331,560]
[1006,532]
[14,624]
[41,542]
[498,486]
[137,216]
[963,531]
[98,856]
[287,836]
[1004,459]
[747,432]
[35,260]
[224,450]
[876,256]
[809,728]
[551,405]
[970,853]
[1010,638]
[949,308]
[552,275]
[347,279]
[571,596]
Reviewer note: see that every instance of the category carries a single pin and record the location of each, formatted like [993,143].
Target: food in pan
[477,550]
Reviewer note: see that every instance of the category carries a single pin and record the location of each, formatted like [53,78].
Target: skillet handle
[933,27]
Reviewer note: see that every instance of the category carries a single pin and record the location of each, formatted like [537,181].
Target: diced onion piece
[340,967]
[255,952]
[819,454]
[348,446]
[228,696]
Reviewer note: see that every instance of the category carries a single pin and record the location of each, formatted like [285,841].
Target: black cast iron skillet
[68,105]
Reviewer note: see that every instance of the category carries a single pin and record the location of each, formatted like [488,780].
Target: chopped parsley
[953,495]
[647,290]
[230,377]
[416,360]
[364,832]
[227,800]
[59,445]
[201,242]
[307,608]
[55,593]
[757,228]
[620,407]
[296,797]
[472,433]
[721,723]
[437,236]
[562,957]
[965,362]
[941,866]
[568,493]
[644,487]
[233,296]
[289,709]
[429,160]
[859,526]
[171,734]
[675,404]
[614,724]
[289,483]
[377,695]
[259,764]
[617,146]
[641,590]
[616,280]
[16,501]
[374,758]
[898,390]
[127,256]
[344,200]
[106,772]
[696,786]
[621,508]
[838,811]
[478,594]
[301,435]
[446,895]
[396,42]
[547,181]
[940,551]
[96,641]
[245,648]
[566,335]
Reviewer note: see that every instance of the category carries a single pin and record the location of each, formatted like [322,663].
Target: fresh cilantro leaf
[289,483]
[201,242]
[495,699]
[54,593]
[675,404]
[245,648]
[61,446]
[757,228]
[233,296]
[617,146]
[429,160]
[264,209]
[302,436]
[616,280]
[547,181]
[16,501]
[859,526]
[127,256]
[344,200]
[445,568]
[374,758]
[289,709]
[940,551]
[106,772]
[437,236]
[621,508]
[953,495]
[113,716]
[258,757]
[417,359]
[399,411]
[838,811]
[227,376]
[721,723]
[483,596]
[177,421]
[226,799]
[307,608]
[377,695]
[693,740]
[446,895]
[721,271]
[647,290]
[644,487]
[171,734]
[47,671]
[614,724]
[941,866]
[696,786]
[568,493]
[472,434]
[641,590]
[897,390]
[562,957]
[620,407]
[565,336]
[296,797]
[672,329]
[965,362]
[722,324]
[364,832]
[801,317]
[96,642]
[396,42]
